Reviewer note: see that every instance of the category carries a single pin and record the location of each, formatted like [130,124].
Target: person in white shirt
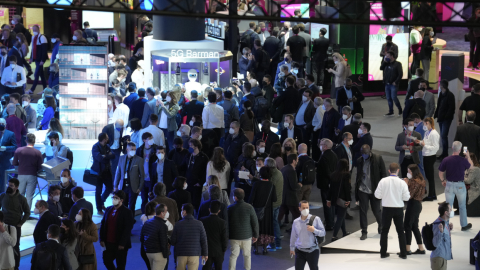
[264,34]
[213,116]
[8,239]
[138,76]
[13,77]
[157,133]
[431,144]
[393,192]
[121,112]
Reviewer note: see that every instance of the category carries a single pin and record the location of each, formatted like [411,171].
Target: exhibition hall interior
[249,134]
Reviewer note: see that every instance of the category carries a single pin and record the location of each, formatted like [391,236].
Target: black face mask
[389,42]
[288,148]
[178,149]
[348,87]
[4,102]
[423,89]
[62,230]
[2,127]
[4,53]
[9,190]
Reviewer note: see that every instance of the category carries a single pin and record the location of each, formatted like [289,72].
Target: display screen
[98,19]
[376,39]
[315,30]
[288,10]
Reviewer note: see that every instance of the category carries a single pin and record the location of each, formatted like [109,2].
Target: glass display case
[83,90]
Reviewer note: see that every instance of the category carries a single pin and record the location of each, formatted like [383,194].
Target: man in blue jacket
[154,238]
[132,89]
[56,47]
[80,202]
[247,62]
[286,61]
[102,155]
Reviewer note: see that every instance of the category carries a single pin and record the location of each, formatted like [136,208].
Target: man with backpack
[415,105]
[306,172]
[51,254]
[441,240]
[89,34]
[262,59]
[248,37]
[230,109]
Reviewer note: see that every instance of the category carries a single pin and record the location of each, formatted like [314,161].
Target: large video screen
[98,19]
[288,10]
[377,35]
[315,30]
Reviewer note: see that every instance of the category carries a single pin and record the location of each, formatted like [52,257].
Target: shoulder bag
[260,211]
[89,178]
[340,202]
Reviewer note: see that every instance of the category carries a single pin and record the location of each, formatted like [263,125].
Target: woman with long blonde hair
[340,70]
[289,147]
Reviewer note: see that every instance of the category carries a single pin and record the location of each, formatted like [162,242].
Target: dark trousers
[38,72]
[9,90]
[220,132]
[112,253]
[474,50]
[213,260]
[408,160]
[316,153]
[301,258]
[415,63]
[320,66]
[99,196]
[395,214]
[307,135]
[16,248]
[293,209]
[414,208]
[327,211]
[428,163]
[444,129]
[169,137]
[196,193]
[364,201]
[130,199]
[147,188]
[273,68]
[340,213]
[114,162]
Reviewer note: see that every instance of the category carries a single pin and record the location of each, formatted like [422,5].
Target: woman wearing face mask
[263,195]
[416,187]
[78,39]
[180,195]
[339,70]
[167,120]
[339,192]
[196,120]
[87,235]
[66,186]
[68,239]
[54,205]
[53,126]
[430,143]
[219,167]
[289,147]
[247,120]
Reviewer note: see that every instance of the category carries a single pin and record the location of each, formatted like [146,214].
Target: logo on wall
[221,71]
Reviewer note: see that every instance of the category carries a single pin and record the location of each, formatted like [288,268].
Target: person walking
[290,188]
[46,219]
[277,180]
[442,240]
[339,194]
[445,113]
[87,235]
[68,239]
[52,245]
[393,191]
[217,237]
[392,74]
[155,240]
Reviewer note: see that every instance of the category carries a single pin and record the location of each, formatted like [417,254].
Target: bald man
[8,144]
[115,134]
[15,124]
[305,172]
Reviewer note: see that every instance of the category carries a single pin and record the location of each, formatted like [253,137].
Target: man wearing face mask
[13,77]
[46,219]
[102,156]
[154,238]
[115,230]
[392,74]
[8,144]
[195,167]
[388,46]
[393,192]
[56,46]
[163,170]
[289,99]
[80,202]
[364,137]
[260,149]
[16,211]
[233,143]
[407,147]
[130,176]
[351,96]
[148,152]
[247,62]
[370,170]
[344,121]
[16,50]
[442,239]
[279,84]
[344,151]
[266,135]
[449,173]
[291,131]
[39,55]
[178,153]
[54,205]
[287,61]
[59,150]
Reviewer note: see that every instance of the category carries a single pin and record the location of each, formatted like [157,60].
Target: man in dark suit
[115,230]
[46,219]
[287,60]
[247,88]
[8,144]
[217,237]
[344,150]
[414,84]
[136,110]
[133,96]
[290,188]
[410,105]
[53,244]
[364,137]
[89,33]
[330,120]
[326,165]
[233,143]
[148,152]
[16,50]
[193,107]
[366,184]
[80,202]
[349,95]
[353,127]
[102,155]
[170,171]
[115,135]
[469,135]
[346,120]
[310,80]
[291,131]
[266,135]
[273,46]
[290,100]
[319,51]
[149,107]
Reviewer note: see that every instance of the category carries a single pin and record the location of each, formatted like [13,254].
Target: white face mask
[452,214]
[410,128]
[432,33]
[132,153]
[191,123]
[64,180]
[185,187]
[115,202]
[281,74]
[344,117]
[56,198]
[254,153]
[179,134]
[360,131]
[295,71]
[261,150]
[199,137]
[13,22]
[286,125]
[78,218]
[150,142]
[321,148]
[25,103]
[323,107]
[35,33]
[36,211]
[169,99]
[54,40]
[305,212]
[409,175]
[12,65]
[258,169]
[425,128]
[160,156]
[74,38]
[336,62]
[304,98]
[109,102]
[167,215]
[350,142]
[231,131]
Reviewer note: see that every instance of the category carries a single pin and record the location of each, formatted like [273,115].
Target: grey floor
[384,132]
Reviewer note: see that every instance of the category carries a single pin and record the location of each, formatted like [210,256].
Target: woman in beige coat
[87,235]
[340,70]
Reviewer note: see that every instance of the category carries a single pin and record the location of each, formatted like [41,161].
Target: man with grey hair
[277,181]
[15,124]
[345,121]
[325,167]
[279,84]
[330,120]
[452,172]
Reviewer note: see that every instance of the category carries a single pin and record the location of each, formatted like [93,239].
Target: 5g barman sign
[194,54]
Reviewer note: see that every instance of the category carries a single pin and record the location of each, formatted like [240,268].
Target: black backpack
[246,41]
[309,171]
[69,156]
[46,258]
[427,235]
[90,38]
[418,110]
[320,239]
[260,107]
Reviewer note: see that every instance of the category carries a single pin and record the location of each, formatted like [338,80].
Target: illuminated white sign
[194,54]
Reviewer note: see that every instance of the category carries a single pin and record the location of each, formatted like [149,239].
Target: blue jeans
[444,129]
[391,92]
[114,162]
[458,189]
[276,228]
[169,136]
[420,166]
[100,197]
[38,72]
